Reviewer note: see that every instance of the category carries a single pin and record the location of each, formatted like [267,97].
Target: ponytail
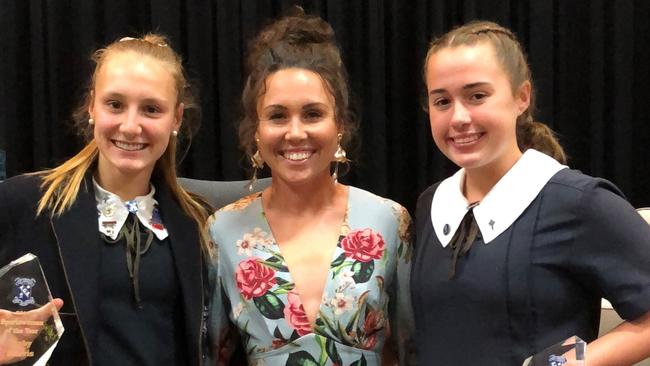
[538,136]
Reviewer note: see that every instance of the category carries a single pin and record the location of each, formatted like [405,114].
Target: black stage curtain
[589,59]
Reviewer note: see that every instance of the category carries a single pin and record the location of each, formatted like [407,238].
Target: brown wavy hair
[295,41]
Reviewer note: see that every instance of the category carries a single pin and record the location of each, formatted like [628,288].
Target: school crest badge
[23,288]
[554,360]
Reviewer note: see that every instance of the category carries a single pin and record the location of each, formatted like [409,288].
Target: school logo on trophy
[554,360]
[559,353]
[24,291]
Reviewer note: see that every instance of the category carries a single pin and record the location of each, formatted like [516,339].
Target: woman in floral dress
[313,272]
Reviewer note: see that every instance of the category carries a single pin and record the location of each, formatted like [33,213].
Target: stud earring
[258,163]
[91,121]
[339,157]
[174,133]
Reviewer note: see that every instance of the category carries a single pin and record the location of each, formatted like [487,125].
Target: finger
[58,303]
[44,312]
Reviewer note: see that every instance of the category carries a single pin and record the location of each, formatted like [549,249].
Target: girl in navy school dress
[515,250]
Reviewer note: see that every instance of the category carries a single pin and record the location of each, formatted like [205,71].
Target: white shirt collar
[112,212]
[505,202]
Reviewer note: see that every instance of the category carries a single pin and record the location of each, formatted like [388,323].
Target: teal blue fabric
[367,288]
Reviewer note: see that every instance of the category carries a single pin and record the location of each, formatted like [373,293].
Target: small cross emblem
[491,223]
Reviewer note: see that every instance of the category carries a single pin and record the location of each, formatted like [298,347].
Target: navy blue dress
[538,282]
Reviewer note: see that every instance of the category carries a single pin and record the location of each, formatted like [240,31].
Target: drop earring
[339,157]
[258,163]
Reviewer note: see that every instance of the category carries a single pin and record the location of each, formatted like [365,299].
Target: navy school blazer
[68,248]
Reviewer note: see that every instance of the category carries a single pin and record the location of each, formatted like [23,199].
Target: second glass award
[570,352]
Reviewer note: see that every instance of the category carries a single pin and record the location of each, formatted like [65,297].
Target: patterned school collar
[505,202]
[112,212]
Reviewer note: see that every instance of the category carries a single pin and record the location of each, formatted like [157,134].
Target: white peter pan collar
[112,212]
[501,206]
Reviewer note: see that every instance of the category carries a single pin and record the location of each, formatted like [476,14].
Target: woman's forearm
[626,344]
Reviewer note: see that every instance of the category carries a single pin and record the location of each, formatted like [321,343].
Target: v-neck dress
[367,286]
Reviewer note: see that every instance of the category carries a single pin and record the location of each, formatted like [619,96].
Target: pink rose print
[253,278]
[295,314]
[363,245]
[374,321]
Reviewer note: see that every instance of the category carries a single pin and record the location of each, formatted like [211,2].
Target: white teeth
[295,156]
[467,139]
[129,146]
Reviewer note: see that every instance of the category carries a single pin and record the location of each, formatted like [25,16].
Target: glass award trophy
[30,326]
[570,352]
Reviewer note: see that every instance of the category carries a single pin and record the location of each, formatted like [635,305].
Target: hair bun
[296,41]
[305,30]
[296,29]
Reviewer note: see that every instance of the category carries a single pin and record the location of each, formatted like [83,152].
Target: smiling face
[472,108]
[135,111]
[297,131]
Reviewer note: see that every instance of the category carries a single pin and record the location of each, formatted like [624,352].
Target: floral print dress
[366,290]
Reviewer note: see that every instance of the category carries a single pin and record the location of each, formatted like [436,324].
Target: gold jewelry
[339,157]
[257,160]
[258,163]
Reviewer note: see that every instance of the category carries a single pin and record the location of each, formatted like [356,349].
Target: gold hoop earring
[258,163]
[339,157]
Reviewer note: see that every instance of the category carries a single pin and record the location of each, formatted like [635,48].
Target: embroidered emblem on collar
[156,221]
[23,292]
[491,223]
[132,206]
[112,212]
[108,210]
[109,227]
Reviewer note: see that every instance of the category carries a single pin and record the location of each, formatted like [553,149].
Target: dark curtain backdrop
[589,59]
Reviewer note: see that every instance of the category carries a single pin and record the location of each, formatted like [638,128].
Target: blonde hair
[61,184]
[509,54]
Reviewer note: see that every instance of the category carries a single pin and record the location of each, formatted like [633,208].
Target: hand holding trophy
[570,352]
[30,326]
